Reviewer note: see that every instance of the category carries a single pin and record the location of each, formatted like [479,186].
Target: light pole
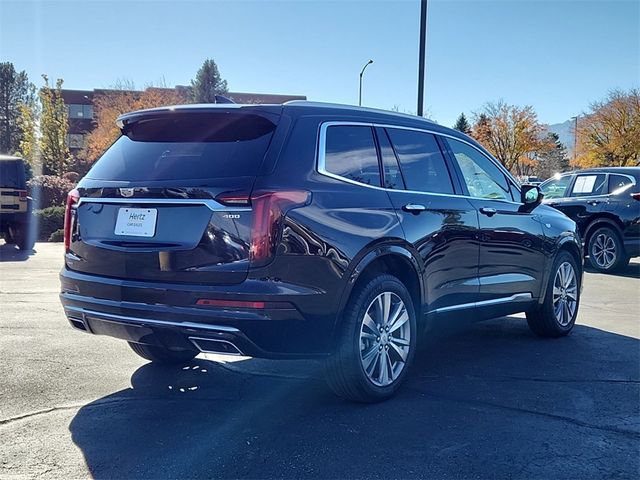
[421,60]
[575,137]
[362,73]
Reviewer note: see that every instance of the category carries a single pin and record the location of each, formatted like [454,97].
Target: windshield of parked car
[556,187]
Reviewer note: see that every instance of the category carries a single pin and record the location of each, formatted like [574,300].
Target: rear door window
[589,185]
[392,174]
[187,146]
[350,152]
[423,166]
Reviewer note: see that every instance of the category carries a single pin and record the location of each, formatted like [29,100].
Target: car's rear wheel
[557,315]
[163,355]
[21,236]
[376,343]
[606,252]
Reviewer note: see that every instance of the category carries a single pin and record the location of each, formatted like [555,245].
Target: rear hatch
[150,208]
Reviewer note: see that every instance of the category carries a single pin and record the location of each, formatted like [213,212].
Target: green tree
[462,124]
[552,158]
[29,148]
[208,83]
[54,127]
[15,90]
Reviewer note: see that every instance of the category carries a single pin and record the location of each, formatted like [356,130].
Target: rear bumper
[166,315]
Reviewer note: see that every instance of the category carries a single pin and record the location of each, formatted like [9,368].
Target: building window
[80,111]
[75,140]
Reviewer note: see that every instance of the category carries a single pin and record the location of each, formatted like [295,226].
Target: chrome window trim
[321,165]
[210,204]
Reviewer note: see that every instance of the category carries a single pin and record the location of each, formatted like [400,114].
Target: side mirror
[531,195]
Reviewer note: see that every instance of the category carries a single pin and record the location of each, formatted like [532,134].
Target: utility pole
[362,73]
[575,137]
[421,58]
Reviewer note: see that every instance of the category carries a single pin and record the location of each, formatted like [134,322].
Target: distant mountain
[565,131]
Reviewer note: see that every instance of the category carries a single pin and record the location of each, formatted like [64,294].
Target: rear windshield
[11,174]
[187,146]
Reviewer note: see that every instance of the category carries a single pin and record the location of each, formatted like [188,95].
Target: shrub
[49,221]
[72,177]
[57,236]
[49,190]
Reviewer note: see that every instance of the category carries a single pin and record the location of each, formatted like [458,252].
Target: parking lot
[482,401]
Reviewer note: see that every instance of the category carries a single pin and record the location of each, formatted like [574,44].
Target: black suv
[304,229]
[15,205]
[605,203]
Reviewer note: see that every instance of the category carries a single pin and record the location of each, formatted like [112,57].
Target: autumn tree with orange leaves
[609,135]
[110,104]
[512,134]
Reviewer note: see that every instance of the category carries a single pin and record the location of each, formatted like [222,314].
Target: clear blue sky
[557,56]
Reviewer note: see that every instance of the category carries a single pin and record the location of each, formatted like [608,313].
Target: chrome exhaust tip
[218,346]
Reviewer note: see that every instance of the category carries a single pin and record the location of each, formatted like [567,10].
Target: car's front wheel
[557,315]
[376,344]
[163,355]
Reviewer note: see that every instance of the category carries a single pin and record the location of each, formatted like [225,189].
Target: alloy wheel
[385,339]
[603,251]
[565,294]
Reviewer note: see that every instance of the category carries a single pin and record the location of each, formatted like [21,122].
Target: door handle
[414,208]
[593,203]
[489,212]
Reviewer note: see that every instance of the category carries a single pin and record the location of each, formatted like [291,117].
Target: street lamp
[362,73]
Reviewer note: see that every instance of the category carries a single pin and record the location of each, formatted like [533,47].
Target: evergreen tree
[552,159]
[462,124]
[15,90]
[208,83]
[54,127]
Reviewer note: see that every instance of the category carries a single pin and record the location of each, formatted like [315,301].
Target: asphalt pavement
[486,400]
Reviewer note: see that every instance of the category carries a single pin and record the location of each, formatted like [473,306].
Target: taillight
[636,196]
[269,208]
[72,202]
[22,196]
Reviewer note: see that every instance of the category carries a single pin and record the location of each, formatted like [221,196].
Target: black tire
[21,236]
[162,355]
[544,321]
[344,372]
[607,236]
[8,238]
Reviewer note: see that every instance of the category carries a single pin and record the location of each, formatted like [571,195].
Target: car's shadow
[632,270]
[11,253]
[490,400]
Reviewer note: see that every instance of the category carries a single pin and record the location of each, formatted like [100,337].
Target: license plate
[136,222]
